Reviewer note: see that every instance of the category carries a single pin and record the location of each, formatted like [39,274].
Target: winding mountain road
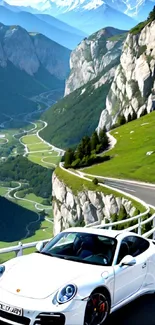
[141,311]
[38,206]
[143,191]
[34,128]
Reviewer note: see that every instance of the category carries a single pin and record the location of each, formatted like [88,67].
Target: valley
[26,141]
[73,97]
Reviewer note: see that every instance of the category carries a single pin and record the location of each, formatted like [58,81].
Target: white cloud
[24,2]
[34,3]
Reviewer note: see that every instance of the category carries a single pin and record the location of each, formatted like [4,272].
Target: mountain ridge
[32,23]
[94,19]
[29,64]
[92,55]
[132,92]
[93,65]
[138,9]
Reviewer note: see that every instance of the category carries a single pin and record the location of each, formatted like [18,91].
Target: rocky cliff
[29,51]
[132,92]
[85,207]
[94,57]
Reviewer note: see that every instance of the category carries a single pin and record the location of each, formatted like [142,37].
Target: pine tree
[134,116]
[152,14]
[84,148]
[103,139]
[94,140]
[122,120]
[129,118]
[69,157]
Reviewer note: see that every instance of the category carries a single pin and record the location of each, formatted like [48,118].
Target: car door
[129,279]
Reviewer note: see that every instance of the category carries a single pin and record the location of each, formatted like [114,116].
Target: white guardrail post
[20,247]
[139,226]
[20,251]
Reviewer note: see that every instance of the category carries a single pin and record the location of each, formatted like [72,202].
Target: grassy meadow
[129,157]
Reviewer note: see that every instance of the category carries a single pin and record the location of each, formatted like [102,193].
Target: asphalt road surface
[142,310]
[143,192]
[139,312]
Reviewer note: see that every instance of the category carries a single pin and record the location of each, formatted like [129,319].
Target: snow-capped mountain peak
[94,4]
[122,14]
[129,7]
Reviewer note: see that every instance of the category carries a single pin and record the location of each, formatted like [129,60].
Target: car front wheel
[97,309]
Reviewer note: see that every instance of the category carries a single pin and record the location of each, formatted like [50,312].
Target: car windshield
[82,247]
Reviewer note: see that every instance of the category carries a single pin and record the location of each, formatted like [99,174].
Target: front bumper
[40,319]
[41,311]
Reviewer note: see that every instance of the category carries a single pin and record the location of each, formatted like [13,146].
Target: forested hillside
[21,169]
[14,220]
[75,115]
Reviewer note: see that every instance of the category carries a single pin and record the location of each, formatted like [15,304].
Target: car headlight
[66,293]
[2,270]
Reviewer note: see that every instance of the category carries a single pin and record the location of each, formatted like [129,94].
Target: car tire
[97,308]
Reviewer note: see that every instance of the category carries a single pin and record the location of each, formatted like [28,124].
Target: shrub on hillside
[95,181]
[151,15]
[121,120]
[143,113]
[129,118]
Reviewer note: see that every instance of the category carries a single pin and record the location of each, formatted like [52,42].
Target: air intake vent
[50,319]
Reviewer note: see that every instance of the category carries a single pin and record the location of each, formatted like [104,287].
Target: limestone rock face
[52,56]
[30,52]
[21,54]
[3,59]
[84,207]
[133,88]
[93,57]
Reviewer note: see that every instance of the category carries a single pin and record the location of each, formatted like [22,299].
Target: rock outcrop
[30,51]
[85,207]
[132,92]
[94,57]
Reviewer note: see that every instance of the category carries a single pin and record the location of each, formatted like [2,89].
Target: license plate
[11,309]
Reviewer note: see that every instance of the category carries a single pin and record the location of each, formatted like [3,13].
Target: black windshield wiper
[45,253]
[53,255]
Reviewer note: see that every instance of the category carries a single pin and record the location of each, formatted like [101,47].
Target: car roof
[96,231]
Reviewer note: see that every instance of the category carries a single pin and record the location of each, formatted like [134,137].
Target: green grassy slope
[17,87]
[74,116]
[129,159]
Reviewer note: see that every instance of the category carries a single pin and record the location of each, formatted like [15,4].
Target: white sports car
[78,278]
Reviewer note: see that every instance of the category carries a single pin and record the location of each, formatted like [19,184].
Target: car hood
[38,276]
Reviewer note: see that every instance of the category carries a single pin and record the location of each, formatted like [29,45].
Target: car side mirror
[39,246]
[128,260]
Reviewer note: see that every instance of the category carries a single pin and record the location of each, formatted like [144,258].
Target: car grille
[5,317]
[50,319]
